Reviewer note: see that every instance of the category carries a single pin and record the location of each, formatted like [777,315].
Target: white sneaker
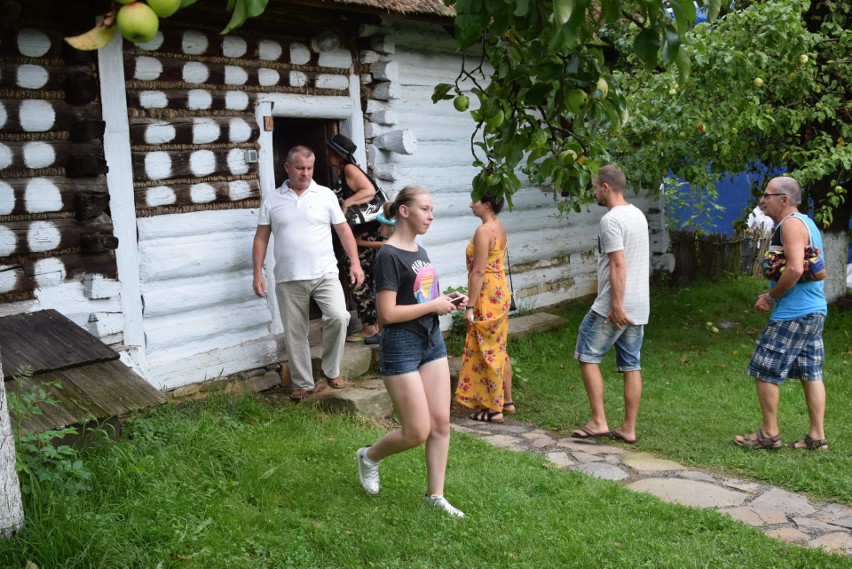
[368,472]
[441,502]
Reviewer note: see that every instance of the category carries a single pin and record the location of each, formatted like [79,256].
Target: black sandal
[509,408]
[486,416]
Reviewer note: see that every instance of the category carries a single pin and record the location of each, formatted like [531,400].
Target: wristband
[770,300]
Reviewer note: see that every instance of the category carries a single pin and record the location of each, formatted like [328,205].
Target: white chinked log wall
[202,321]
[552,256]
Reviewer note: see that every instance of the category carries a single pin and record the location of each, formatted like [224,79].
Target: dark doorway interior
[313,133]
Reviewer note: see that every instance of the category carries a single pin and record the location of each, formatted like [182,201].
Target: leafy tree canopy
[769,86]
[545,97]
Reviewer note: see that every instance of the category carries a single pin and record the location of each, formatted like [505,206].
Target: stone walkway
[778,513]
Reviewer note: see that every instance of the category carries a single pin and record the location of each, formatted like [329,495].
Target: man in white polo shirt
[300,214]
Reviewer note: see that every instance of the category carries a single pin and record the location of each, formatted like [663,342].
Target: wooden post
[11,508]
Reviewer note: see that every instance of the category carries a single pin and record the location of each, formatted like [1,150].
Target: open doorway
[313,133]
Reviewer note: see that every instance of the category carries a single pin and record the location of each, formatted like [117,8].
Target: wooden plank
[48,341]
[37,76]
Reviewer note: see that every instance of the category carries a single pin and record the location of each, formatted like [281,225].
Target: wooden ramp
[93,383]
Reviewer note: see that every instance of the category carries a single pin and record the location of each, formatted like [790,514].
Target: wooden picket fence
[701,256]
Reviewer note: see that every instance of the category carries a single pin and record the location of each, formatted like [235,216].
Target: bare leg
[409,399]
[815,398]
[436,383]
[632,396]
[768,395]
[593,382]
[507,382]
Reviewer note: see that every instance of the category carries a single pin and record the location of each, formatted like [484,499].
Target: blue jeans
[596,337]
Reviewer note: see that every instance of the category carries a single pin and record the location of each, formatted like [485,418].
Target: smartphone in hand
[457,300]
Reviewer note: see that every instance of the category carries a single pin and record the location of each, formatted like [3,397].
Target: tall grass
[697,395]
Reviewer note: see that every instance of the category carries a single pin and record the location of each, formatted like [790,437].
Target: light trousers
[294,304]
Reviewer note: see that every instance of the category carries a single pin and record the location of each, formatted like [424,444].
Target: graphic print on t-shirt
[426,286]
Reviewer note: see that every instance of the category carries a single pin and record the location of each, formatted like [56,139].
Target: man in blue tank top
[791,344]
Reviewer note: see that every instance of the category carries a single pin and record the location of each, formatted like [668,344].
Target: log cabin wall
[415,141]
[56,234]
[192,96]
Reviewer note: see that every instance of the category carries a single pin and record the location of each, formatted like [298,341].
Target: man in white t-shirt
[300,215]
[621,309]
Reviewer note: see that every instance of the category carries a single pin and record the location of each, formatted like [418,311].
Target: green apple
[701,128]
[803,58]
[577,101]
[603,87]
[672,91]
[496,120]
[461,103]
[758,82]
[164,8]
[137,22]
[568,156]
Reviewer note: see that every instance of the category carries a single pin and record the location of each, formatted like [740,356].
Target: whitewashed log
[97,286]
[369,56]
[398,141]
[385,117]
[365,78]
[331,81]
[385,171]
[174,295]
[11,508]
[197,223]
[104,324]
[383,44]
[375,106]
[214,254]
[69,299]
[179,367]
[387,90]
[209,327]
[385,70]
[337,58]
[307,106]
[325,41]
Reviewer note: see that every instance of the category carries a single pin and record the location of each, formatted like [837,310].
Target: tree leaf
[646,46]
[562,10]
[684,65]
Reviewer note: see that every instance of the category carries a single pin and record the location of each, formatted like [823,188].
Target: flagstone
[788,535]
[756,516]
[646,462]
[689,492]
[602,470]
[777,499]
[837,542]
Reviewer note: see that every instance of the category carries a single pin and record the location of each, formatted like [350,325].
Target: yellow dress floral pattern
[484,362]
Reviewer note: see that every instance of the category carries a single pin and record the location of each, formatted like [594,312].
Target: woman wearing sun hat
[354,187]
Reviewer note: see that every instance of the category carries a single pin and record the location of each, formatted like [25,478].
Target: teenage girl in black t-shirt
[413,357]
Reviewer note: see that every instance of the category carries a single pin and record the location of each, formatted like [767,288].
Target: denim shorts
[789,348]
[597,337]
[403,351]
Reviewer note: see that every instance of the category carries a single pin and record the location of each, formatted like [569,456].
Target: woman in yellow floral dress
[485,379]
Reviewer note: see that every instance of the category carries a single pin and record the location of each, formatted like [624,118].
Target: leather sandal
[509,408]
[336,382]
[760,442]
[809,444]
[301,394]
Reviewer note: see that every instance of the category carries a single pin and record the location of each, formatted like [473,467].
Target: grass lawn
[243,483]
[252,483]
[697,395]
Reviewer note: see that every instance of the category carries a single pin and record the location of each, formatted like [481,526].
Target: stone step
[366,394]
